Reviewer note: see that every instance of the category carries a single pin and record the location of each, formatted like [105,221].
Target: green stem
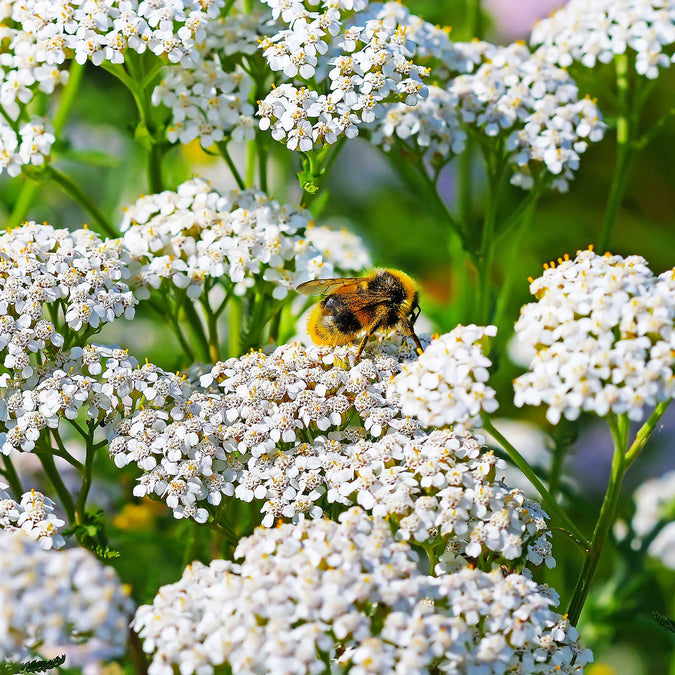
[155,158]
[87,474]
[433,192]
[12,477]
[23,202]
[234,316]
[624,153]
[212,326]
[645,432]
[487,249]
[250,163]
[68,96]
[547,499]
[136,653]
[14,124]
[557,466]
[187,349]
[604,522]
[222,148]
[197,328]
[47,461]
[524,221]
[474,18]
[63,453]
[465,161]
[262,161]
[75,192]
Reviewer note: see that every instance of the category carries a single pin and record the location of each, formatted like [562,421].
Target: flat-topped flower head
[185,237]
[210,98]
[34,514]
[447,385]
[52,599]
[340,63]
[48,275]
[603,337]
[535,108]
[307,430]
[595,32]
[508,95]
[102,383]
[348,594]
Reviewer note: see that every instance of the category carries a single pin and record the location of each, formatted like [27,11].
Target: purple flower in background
[515,18]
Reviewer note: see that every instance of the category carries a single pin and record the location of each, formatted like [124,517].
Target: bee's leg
[379,316]
[411,332]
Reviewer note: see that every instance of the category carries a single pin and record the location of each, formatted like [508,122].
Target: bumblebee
[381,300]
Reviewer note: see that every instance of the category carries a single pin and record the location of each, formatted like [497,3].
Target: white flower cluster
[359,60]
[655,507]
[276,433]
[53,598]
[187,236]
[79,278]
[193,450]
[25,144]
[514,95]
[209,100]
[102,382]
[447,385]
[431,43]
[46,33]
[341,248]
[34,515]
[433,124]
[346,597]
[603,334]
[591,32]
[535,108]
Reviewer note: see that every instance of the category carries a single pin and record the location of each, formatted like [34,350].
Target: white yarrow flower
[348,593]
[602,331]
[447,385]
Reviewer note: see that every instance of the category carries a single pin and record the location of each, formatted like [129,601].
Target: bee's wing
[326,286]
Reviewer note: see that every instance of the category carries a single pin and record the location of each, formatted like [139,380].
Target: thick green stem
[212,326]
[487,250]
[548,501]
[234,316]
[465,161]
[68,96]
[155,158]
[197,328]
[604,522]
[624,153]
[87,475]
[23,202]
[74,191]
[12,477]
[250,163]
[47,461]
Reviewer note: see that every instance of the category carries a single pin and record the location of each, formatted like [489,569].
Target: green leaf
[664,621]
[36,666]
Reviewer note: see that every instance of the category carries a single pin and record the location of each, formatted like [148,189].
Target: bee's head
[414,311]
